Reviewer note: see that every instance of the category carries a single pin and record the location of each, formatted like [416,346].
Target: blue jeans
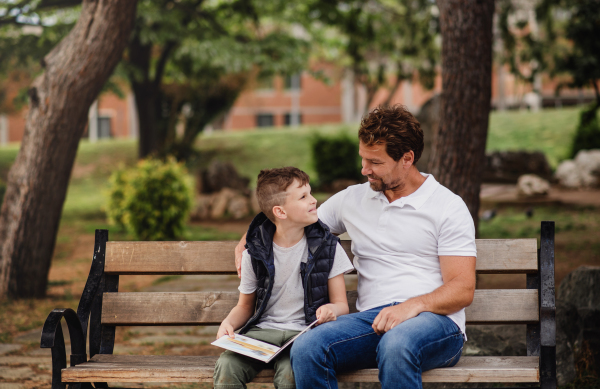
[401,354]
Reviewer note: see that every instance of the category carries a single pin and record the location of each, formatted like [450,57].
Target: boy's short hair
[272,184]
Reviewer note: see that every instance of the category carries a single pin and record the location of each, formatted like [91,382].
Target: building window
[264,120]
[293,82]
[104,130]
[288,119]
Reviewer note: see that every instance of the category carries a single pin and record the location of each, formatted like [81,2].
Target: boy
[292,274]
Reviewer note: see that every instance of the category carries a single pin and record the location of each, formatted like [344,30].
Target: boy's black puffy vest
[315,272]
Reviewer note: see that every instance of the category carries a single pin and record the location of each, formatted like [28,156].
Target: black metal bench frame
[541,337]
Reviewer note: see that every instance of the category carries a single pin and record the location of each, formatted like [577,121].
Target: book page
[255,348]
[247,346]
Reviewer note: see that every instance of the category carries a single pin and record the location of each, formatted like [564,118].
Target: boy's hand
[326,313]
[225,329]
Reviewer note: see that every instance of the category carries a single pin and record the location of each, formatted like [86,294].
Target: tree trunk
[459,150]
[59,100]
[147,95]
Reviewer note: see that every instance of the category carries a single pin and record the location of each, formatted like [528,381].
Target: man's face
[382,171]
[300,206]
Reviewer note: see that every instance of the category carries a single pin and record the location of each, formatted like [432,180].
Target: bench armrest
[53,338]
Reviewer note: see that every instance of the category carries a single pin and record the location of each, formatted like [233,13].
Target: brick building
[299,99]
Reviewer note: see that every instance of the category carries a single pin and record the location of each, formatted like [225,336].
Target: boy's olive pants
[234,370]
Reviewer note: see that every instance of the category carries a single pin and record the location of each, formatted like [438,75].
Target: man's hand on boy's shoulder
[239,250]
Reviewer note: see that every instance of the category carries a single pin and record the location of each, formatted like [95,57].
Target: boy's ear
[279,212]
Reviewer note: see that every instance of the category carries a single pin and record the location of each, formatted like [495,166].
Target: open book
[255,348]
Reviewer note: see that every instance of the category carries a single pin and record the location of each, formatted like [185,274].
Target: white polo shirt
[397,246]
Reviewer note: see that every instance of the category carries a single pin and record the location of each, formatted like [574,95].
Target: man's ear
[408,159]
[279,212]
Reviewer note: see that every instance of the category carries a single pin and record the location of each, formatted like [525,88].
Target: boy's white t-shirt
[285,309]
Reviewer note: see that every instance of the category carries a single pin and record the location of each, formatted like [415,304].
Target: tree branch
[45,4]
[162,62]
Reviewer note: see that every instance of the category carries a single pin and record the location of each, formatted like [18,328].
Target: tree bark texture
[59,100]
[459,151]
[147,94]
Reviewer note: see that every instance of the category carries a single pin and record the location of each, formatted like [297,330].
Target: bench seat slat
[494,256]
[158,368]
[498,306]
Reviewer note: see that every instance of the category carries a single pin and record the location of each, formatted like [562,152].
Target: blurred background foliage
[334,157]
[151,200]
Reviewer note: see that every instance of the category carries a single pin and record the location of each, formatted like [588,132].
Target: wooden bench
[105,308]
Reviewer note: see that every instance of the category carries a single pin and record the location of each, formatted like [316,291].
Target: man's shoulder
[444,196]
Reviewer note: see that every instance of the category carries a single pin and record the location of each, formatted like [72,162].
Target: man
[414,247]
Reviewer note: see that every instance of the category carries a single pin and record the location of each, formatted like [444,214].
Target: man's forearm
[445,300]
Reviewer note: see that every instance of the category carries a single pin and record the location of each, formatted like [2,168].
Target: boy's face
[300,206]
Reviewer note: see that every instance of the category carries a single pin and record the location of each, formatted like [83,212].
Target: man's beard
[380,186]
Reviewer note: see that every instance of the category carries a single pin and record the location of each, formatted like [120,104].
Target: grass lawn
[550,131]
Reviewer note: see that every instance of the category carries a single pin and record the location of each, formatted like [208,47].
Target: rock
[583,171]
[238,207]
[577,322]
[567,174]
[202,206]
[581,288]
[221,175]
[567,328]
[220,202]
[484,340]
[588,161]
[16,373]
[508,166]
[530,185]
[6,348]
[429,118]
[11,385]
[254,203]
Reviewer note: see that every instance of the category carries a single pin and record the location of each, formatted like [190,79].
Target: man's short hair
[396,128]
[272,184]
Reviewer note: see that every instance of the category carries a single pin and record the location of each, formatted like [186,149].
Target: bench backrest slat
[493,256]
[499,306]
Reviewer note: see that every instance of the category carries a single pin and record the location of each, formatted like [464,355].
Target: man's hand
[239,249]
[225,329]
[390,317]
[326,313]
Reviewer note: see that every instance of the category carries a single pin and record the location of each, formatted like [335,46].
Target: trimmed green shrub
[152,201]
[335,157]
[587,135]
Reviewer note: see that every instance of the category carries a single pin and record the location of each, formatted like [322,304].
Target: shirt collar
[415,199]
